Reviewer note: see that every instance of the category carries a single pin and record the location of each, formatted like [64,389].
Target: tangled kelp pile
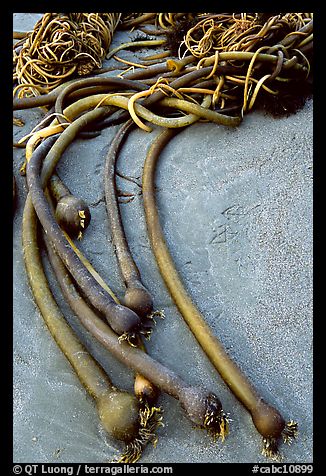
[59,46]
[216,67]
[269,56]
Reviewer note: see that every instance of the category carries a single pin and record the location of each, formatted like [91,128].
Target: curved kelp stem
[135,44]
[122,319]
[195,111]
[110,83]
[51,97]
[137,297]
[268,421]
[118,410]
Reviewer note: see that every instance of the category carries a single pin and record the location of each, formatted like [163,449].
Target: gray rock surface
[236,209]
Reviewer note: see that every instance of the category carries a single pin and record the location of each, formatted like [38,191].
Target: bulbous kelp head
[138,299]
[268,421]
[144,390]
[119,415]
[205,410]
[73,215]
[124,321]
[127,419]
[128,325]
[272,426]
